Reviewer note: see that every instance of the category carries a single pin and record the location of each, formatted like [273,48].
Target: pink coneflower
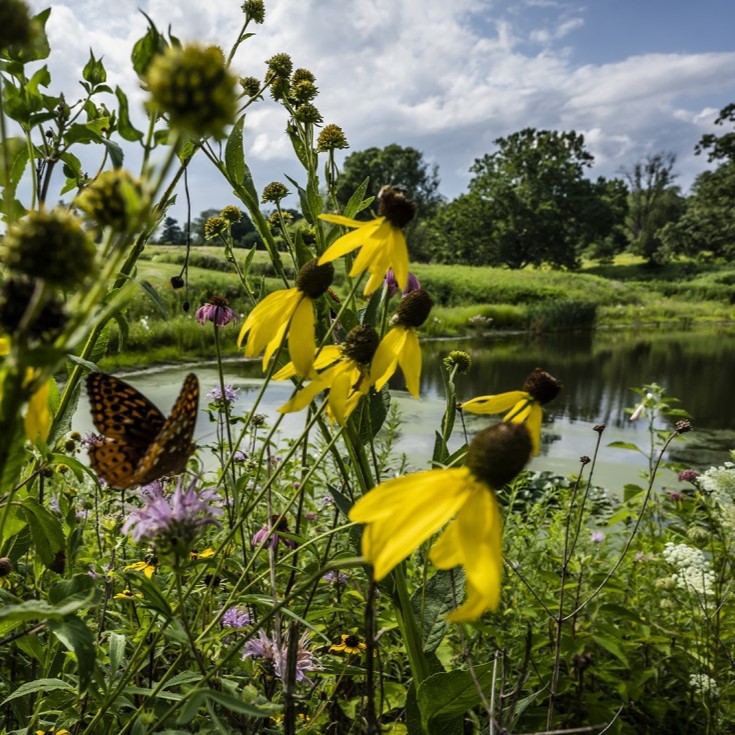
[217,310]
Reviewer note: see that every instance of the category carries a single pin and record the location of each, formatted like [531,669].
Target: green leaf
[124,126]
[40,48]
[38,685]
[432,602]
[17,152]
[372,418]
[234,153]
[116,152]
[147,47]
[48,535]
[356,203]
[612,646]
[448,694]
[117,643]
[81,588]
[78,638]
[624,445]
[152,294]
[16,458]
[630,491]
[197,698]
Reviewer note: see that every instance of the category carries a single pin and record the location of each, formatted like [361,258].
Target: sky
[447,78]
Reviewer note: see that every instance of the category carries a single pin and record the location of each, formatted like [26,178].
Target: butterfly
[139,443]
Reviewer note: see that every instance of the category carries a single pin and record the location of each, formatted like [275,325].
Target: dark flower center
[352,641]
[361,343]
[541,386]
[414,309]
[218,301]
[395,206]
[314,280]
[497,454]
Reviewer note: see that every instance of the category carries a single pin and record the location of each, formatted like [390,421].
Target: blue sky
[448,77]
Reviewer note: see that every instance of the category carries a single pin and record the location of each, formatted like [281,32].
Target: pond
[598,371]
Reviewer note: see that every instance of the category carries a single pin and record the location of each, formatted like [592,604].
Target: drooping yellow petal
[496,403]
[303,397]
[301,344]
[343,398]
[4,346]
[274,343]
[349,242]
[385,359]
[37,420]
[266,318]
[474,540]
[533,423]
[339,219]
[403,513]
[410,361]
[327,355]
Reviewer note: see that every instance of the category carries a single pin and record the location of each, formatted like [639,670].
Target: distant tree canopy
[394,165]
[243,232]
[708,221]
[171,233]
[528,203]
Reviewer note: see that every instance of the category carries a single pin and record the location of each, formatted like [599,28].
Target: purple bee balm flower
[91,440]
[392,284]
[688,475]
[675,496]
[336,578]
[216,311]
[230,394]
[269,537]
[266,649]
[173,523]
[235,617]
[597,537]
[240,456]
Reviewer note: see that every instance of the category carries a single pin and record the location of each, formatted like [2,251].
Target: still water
[598,371]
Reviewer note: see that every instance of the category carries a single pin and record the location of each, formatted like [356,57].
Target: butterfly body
[139,443]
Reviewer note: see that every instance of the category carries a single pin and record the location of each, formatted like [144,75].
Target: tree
[393,165]
[653,203]
[171,233]
[530,203]
[708,222]
[243,232]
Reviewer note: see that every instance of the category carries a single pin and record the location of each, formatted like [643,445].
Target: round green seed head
[274,192]
[331,138]
[231,213]
[215,226]
[250,85]
[193,86]
[113,199]
[50,245]
[307,113]
[254,10]
[460,359]
[280,65]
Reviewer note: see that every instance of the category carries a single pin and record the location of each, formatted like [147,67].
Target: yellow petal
[410,361]
[496,403]
[533,423]
[339,219]
[385,360]
[301,344]
[403,513]
[266,318]
[349,242]
[4,347]
[302,398]
[341,401]
[38,417]
[326,357]
[274,343]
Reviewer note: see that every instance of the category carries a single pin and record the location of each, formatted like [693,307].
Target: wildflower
[401,345]
[718,483]
[231,213]
[215,226]
[392,285]
[274,192]
[235,617]
[250,85]
[268,650]
[522,405]
[640,409]
[381,241]
[216,310]
[307,113]
[148,567]
[688,475]
[207,553]
[51,245]
[229,396]
[15,297]
[63,731]
[459,360]
[260,647]
[331,138]
[174,523]
[302,75]
[280,65]
[597,537]
[290,310]
[676,496]
[254,10]
[113,199]
[302,91]
[346,375]
[193,86]
[348,644]
[336,578]
[704,685]
[270,535]
[239,456]
[404,512]
[127,595]
[694,572]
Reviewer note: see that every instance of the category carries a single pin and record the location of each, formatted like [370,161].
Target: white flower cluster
[719,483]
[693,568]
[704,685]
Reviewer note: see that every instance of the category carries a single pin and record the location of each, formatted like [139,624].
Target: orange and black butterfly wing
[116,462]
[172,447]
[121,412]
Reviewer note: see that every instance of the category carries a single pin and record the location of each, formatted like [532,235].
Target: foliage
[529,204]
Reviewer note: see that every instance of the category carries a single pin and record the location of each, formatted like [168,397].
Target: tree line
[530,202]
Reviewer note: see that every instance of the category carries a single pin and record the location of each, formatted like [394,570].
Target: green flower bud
[250,85]
[193,86]
[302,75]
[15,295]
[303,92]
[280,65]
[215,226]
[231,213]
[331,138]
[280,87]
[113,199]
[307,113]
[497,454]
[254,10]
[460,359]
[50,245]
[314,280]
[274,192]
